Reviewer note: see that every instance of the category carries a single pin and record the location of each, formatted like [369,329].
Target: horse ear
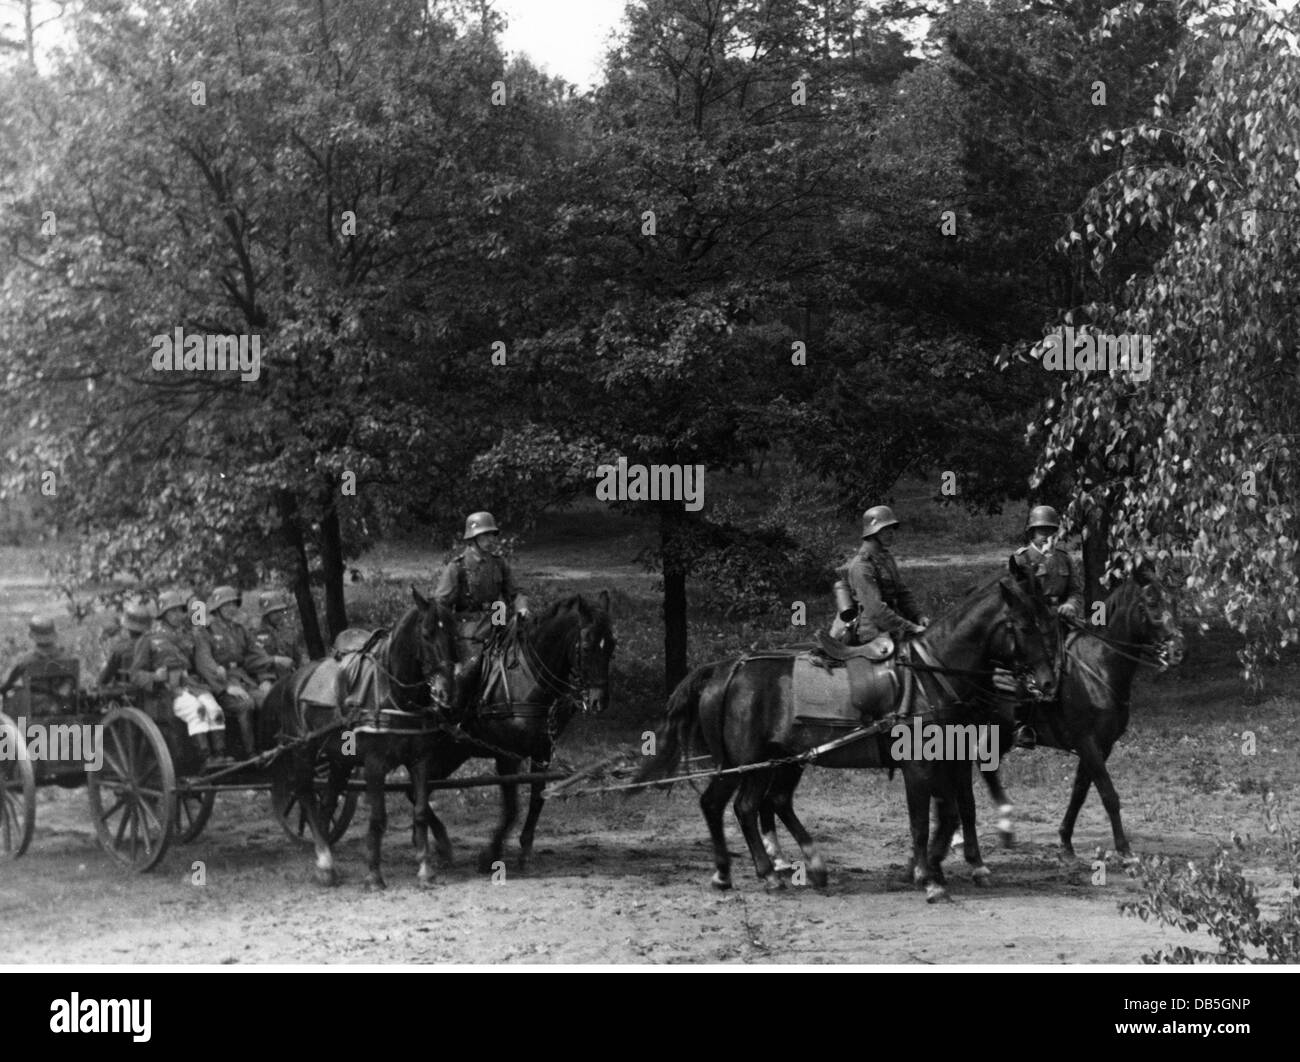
[424,605]
[604,601]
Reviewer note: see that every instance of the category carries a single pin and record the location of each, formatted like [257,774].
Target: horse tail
[682,721]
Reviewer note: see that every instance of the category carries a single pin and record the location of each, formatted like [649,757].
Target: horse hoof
[1067,851]
[328,878]
[1007,838]
[375,884]
[982,876]
[426,881]
[720,881]
[446,855]
[936,893]
[775,882]
[487,862]
[782,866]
[918,875]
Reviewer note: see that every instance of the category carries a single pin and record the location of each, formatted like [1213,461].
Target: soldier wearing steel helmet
[1061,585]
[168,665]
[470,586]
[279,639]
[137,618]
[48,658]
[237,669]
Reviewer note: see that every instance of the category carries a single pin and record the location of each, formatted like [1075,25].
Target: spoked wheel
[17,793]
[293,817]
[133,795]
[192,813]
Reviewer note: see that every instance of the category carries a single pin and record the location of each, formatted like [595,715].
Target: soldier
[1061,583]
[470,586]
[286,648]
[117,669]
[873,598]
[238,669]
[168,662]
[48,658]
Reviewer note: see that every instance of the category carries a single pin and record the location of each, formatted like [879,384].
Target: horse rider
[471,585]
[279,640]
[47,658]
[1060,580]
[872,597]
[117,668]
[242,671]
[169,663]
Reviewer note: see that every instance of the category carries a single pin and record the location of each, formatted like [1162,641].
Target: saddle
[879,648]
[348,679]
[849,694]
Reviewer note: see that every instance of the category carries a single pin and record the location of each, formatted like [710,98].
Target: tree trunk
[675,637]
[301,575]
[331,555]
[1096,554]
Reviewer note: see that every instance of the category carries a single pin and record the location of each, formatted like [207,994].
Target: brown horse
[1093,711]
[415,663]
[744,711]
[555,665]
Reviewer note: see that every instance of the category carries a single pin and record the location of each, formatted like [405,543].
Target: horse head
[1027,638]
[575,641]
[1153,617]
[435,647]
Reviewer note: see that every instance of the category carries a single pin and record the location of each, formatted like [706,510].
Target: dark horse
[744,710]
[417,663]
[1093,712]
[554,665]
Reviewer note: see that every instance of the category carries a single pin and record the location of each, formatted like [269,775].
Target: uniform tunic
[1057,574]
[885,604]
[186,657]
[282,641]
[121,651]
[232,647]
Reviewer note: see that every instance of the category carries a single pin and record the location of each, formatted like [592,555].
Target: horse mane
[570,603]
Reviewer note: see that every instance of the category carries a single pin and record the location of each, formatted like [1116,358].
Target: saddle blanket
[840,696]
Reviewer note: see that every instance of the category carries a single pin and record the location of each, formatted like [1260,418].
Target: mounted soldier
[873,602]
[168,665]
[474,585]
[240,671]
[277,638]
[47,660]
[121,651]
[1062,587]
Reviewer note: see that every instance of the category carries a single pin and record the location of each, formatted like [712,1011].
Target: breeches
[198,711]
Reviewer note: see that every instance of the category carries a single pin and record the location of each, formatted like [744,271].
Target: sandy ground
[612,881]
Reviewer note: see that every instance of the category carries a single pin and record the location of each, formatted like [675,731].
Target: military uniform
[185,656]
[283,644]
[1057,573]
[48,660]
[885,604]
[121,651]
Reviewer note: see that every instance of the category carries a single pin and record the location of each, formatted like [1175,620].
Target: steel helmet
[223,595]
[273,601]
[1043,516]
[42,631]
[876,519]
[171,599]
[137,618]
[480,524]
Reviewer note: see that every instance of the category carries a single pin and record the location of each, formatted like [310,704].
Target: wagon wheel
[133,795]
[293,818]
[17,793]
[192,813]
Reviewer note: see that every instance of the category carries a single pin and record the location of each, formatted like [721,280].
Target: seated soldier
[1062,588]
[48,661]
[121,651]
[878,601]
[168,663]
[237,668]
[470,586]
[277,637]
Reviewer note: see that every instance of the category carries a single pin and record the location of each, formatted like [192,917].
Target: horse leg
[1078,794]
[539,765]
[713,804]
[918,791]
[509,816]
[782,799]
[303,781]
[374,770]
[980,873]
[752,791]
[1006,832]
[1090,753]
[441,840]
[420,786]
[771,842]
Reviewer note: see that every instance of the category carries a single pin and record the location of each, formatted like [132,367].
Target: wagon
[151,790]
